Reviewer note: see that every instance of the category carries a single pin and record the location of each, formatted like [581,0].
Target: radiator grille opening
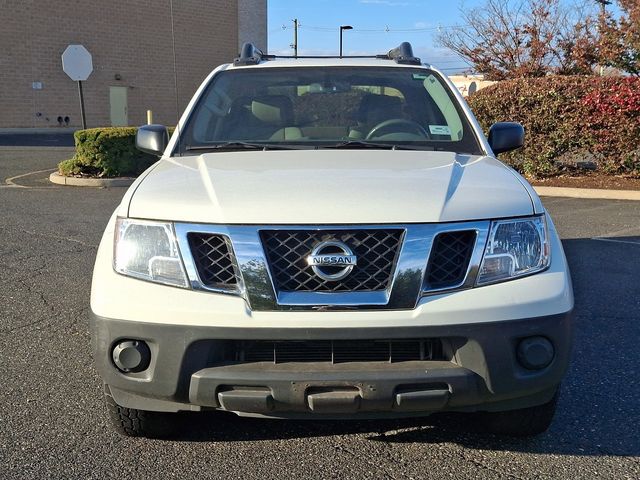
[449,259]
[376,250]
[214,260]
[337,351]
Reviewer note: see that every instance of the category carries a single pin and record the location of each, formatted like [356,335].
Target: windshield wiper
[359,144]
[242,146]
[354,144]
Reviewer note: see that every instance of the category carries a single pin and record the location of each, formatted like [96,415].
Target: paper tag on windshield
[439,130]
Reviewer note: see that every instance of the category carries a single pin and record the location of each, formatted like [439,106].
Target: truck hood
[329,187]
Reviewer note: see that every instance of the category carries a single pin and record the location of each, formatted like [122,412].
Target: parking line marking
[10,180]
[624,231]
[615,241]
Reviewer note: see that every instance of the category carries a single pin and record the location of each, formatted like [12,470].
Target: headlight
[515,248]
[149,251]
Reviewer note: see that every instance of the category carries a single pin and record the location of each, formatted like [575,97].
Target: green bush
[569,121]
[106,152]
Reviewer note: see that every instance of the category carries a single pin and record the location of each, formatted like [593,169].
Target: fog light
[535,353]
[131,356]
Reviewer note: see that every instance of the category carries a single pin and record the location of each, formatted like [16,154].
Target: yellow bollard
[149,117]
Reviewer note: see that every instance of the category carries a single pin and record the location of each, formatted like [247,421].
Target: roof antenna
[175,76]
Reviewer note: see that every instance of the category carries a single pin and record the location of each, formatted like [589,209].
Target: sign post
[84,117]
[78,65]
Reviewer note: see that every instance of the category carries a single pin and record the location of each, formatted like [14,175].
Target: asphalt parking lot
[62,137]
[52,419]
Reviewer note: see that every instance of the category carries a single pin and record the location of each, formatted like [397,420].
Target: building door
[119,110]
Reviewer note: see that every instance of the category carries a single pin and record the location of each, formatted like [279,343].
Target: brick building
[130,42]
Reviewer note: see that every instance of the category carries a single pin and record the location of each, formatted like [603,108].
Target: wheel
[138,423]
[524,422]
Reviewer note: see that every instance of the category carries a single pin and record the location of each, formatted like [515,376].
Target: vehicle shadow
[565,437]
[598,411]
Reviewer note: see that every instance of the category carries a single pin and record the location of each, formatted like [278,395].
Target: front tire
[524,422]
[138,423]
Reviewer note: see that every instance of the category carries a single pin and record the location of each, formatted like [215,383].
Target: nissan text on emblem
[332,261]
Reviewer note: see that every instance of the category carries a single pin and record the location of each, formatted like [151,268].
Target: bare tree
[522,38]
[578,48]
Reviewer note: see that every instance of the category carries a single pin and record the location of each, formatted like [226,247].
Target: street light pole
[603,5]
[342,29]
[603,13]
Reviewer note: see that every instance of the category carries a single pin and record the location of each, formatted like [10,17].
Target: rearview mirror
[152,139]
[506,136]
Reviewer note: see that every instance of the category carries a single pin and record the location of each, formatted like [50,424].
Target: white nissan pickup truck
[330,238]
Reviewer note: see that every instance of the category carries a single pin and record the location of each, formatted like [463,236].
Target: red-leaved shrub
[568,120]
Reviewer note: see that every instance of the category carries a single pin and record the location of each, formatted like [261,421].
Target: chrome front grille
[396,264]
[376,250]
[337,351]
[213,257]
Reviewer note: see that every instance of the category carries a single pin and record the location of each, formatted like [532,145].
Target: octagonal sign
[77,62]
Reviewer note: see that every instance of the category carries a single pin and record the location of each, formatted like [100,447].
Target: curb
[39,130]
[56,178]
[595,193]
[36,148]
[567,192]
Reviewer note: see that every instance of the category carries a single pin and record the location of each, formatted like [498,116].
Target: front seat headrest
[377,108]
[273,110]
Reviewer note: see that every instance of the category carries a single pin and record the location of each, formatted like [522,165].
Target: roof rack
[252,55]
[403,54]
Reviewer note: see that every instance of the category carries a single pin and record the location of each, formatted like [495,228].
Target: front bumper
[184,329]
[482,373]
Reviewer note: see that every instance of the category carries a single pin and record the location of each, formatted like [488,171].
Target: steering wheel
[375,131]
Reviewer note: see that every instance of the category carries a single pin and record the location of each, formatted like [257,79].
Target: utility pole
[294,45]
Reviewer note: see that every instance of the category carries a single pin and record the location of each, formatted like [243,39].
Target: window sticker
[439,130]
[419,76]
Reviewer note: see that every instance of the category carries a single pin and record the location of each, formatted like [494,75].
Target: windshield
[331,107]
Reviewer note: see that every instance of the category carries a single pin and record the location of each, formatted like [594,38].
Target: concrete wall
[130,41]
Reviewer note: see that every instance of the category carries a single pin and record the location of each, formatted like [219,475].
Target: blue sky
[378,26]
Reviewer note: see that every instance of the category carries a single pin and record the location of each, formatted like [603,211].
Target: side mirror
[506,136]
[152,139]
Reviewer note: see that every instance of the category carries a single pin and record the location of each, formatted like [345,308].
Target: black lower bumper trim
[484,369]
[325,388]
